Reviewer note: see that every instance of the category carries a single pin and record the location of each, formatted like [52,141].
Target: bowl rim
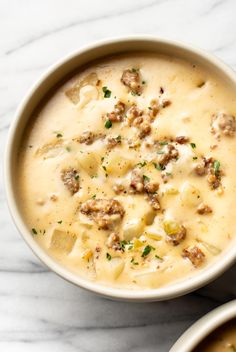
[167,292]
[203,327]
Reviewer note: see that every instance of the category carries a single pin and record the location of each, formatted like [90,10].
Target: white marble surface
[38,310]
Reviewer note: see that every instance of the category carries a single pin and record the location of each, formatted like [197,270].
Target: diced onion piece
[171,227]
[210,248]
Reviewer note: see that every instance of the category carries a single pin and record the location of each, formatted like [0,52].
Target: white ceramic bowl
[34,96]
[204,327]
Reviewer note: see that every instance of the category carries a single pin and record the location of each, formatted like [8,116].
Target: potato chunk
[117,164]
[62,241]
[190,195]
[133,228]
[88,162]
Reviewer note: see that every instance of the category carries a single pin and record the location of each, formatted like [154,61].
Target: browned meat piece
[223,123]
[113,241]
[113,141]
[200,169]
[144,125]
[165,103]
[195,255]
[177,237]
[118,113]
[169,153]
[204,209]
[211,167]
[87,137]
[137,181]
[151,187]
[105,212]
[70,178]
[131,79]
[182,139]
[133,113]
[154,201]
[118,188]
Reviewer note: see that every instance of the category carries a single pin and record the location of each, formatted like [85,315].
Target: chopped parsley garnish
[147,250]
[160,152]
[135,70]
[150,108]
[142,164]
[76,177]
[102,158]
[108,256]
[168,173]
[143,82]
[157,257]
[59,135]
[146,178]
[94,176]
[193,145]
[59,222]
[163,143]
[134,262]
[104,168]
[123,244]
[108,124]
[159,167]
[107,92]
[34,231]
[216,167]
[118,138]
[194,157]
[94,196]
[68,149]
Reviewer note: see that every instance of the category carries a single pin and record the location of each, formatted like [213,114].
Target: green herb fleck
[157,257]
[163,143]
[108,256]
[118,138]
[108,124]
[123,244]
[76,177]
[135,70]
[147,250]
[94,176]
[193,145]
[102,158]
[59,222]
[107,92]
[143,82]
[134,262]
[150,108]
[68,149]
[94,196]
[146,178]
[34,231]
[144,163]
[59,135]
[216,167]
[159,167]
[194,157]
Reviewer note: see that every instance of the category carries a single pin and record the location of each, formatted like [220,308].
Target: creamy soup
[126,173]
[221,340]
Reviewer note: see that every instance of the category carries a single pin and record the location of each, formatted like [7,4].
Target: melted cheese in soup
[126,173]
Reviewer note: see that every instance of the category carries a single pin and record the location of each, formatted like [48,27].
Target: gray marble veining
[38,310]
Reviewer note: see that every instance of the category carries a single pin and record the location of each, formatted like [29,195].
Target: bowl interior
[204,327]
[52,77]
